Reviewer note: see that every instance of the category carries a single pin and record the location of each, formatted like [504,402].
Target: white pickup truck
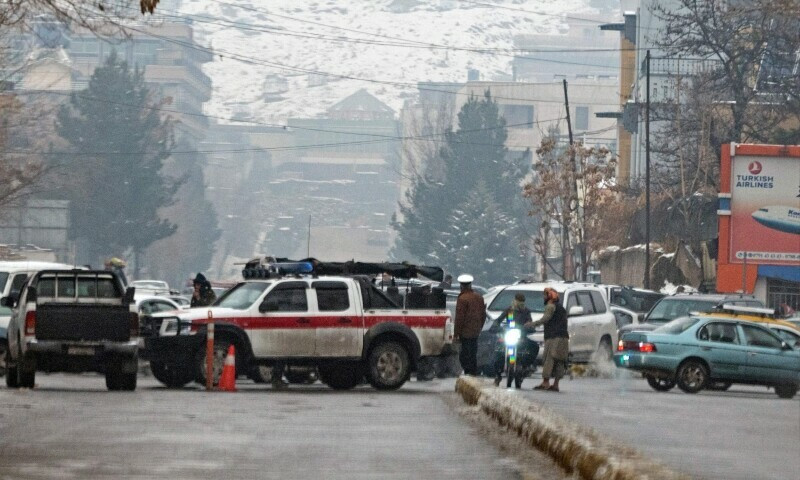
[343,325]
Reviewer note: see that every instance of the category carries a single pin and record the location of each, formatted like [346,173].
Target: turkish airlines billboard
[765,210]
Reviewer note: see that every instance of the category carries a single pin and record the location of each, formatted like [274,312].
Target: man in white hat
[470,315]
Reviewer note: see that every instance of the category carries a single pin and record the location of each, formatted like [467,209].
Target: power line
[272,125]
[403,43]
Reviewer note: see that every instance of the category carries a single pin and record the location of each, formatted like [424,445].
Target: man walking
[556,340]
[470,315]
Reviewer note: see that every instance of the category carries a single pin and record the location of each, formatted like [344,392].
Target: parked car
[703,349]
[182,301]
[147,305]
[624,316]
[682,304]
[638,300]
[592,325]
[788,333]
[150,287]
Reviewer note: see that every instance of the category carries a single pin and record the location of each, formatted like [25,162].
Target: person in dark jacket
[527,350]
[470,315]
[556,340]
[203,295]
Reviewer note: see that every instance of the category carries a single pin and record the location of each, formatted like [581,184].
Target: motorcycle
[514,367]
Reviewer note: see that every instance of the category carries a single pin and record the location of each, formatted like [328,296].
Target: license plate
[80,351]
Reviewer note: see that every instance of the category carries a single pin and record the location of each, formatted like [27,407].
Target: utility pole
[647,178]
[568,254]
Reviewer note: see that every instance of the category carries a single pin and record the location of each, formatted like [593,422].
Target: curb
[578,450]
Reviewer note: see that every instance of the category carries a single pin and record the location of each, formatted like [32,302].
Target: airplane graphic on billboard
[779,217]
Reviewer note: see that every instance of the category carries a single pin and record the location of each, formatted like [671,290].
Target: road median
[575,448]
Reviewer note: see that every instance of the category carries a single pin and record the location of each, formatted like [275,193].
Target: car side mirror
[130,292]
[786,346]
[9,301]
[268,307]
[575,311]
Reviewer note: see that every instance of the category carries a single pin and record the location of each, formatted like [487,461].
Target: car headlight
[170,327]
[512,337]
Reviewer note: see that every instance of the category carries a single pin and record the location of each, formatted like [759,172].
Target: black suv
[682,304]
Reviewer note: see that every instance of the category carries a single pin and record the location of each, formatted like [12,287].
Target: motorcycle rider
[527,350]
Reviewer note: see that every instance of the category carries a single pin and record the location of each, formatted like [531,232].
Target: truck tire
[118,379]
[12,381]
[26,373]
[172,376]
[341,376]
[388,366]
[220,351]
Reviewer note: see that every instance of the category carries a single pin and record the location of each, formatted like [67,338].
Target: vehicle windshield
[677,326]
[242,296]
[669,309]
[3,280]
[533,300]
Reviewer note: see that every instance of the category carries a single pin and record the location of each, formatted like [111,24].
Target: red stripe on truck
[328,321]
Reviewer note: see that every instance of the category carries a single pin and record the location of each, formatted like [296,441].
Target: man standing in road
[470,315]
[556,340]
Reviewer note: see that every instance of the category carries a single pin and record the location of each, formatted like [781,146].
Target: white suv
[592,326]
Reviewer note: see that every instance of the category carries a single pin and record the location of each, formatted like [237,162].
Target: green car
[702,351]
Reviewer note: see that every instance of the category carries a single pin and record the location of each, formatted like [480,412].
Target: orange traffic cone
[227,381]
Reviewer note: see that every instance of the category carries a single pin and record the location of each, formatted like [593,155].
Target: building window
[518,116]
[581,118]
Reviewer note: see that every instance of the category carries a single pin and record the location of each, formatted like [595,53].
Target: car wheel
[786,390]
[660,384]
[220,351]
[719,386]
[171,376]
[341,376]
[388,366]
[692,376]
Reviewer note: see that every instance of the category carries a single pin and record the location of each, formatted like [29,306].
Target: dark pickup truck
[73,321]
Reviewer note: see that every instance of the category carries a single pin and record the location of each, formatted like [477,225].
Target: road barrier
[577,449]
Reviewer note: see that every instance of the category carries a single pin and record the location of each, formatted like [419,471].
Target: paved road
[71,427]
[744,433]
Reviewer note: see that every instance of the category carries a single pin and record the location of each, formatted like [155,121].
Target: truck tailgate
[59,321]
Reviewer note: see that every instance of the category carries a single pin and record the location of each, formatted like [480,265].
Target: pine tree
[482,239]
[119,151]
[476,170]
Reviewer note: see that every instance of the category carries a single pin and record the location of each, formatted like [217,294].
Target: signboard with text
[765,210]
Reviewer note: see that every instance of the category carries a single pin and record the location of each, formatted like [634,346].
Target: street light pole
[647,179]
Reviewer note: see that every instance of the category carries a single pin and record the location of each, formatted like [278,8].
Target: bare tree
[752,48]
[94,15]
[572,191]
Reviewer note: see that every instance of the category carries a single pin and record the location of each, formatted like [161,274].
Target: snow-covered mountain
[279,59]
